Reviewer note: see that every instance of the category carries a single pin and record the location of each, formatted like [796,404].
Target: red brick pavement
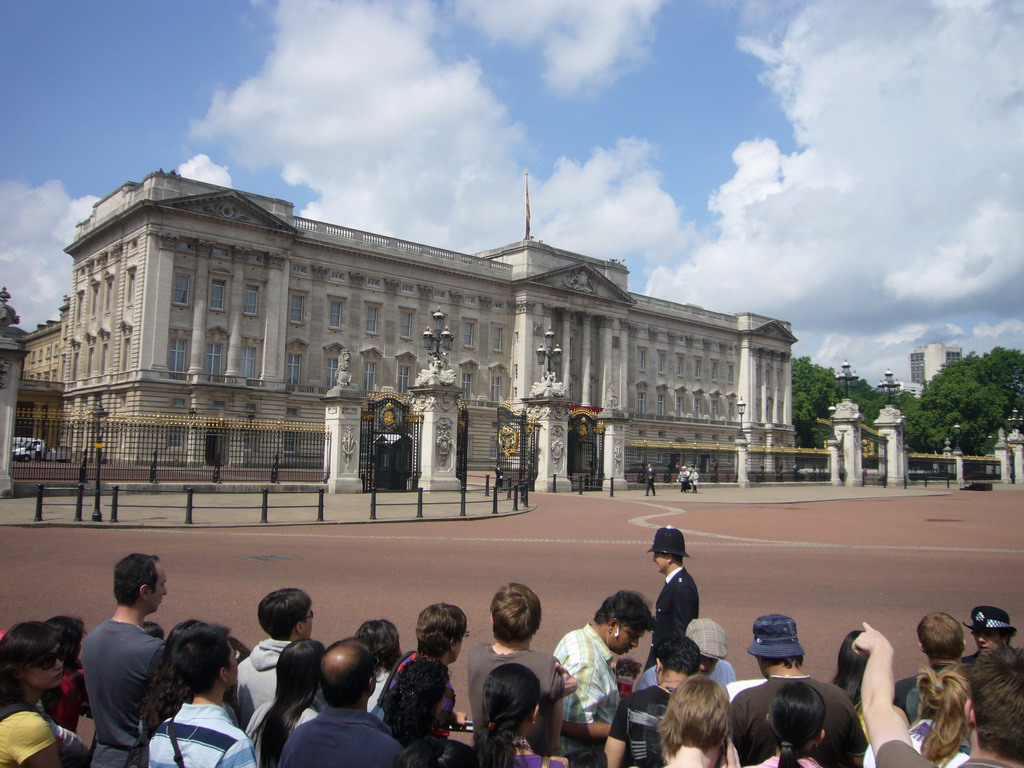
[828,564]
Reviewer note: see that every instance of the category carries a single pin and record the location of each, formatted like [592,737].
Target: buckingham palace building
[187,296]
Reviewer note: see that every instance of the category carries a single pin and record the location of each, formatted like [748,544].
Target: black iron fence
[78,447]
[787,465]
[925,468]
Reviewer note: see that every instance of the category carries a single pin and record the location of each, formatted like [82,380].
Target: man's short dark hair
[630,608]
[343,685]
[439,627]
[281,610]
[130,574]
[199,655]
[997,692]
[679,654]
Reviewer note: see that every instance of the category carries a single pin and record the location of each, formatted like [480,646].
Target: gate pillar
[11,356]
[551,415]
[847,421]
[890,426]
[615,446]
[1015,440]
[833,461]
[342,413]
[10,374]
[438,404]
[742,477]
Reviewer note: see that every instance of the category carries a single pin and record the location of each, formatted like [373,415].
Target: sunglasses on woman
[46,661]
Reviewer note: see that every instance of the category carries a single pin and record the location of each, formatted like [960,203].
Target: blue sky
[854,168]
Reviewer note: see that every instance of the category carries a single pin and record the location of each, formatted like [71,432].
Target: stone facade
[189,295]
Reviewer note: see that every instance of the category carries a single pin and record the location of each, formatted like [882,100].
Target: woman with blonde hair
[941,734]
[695,730]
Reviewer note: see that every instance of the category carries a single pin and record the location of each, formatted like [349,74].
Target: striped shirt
[589,660]
[207,739]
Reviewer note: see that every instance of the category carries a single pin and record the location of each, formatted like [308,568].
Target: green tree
[978,393]
[814,390]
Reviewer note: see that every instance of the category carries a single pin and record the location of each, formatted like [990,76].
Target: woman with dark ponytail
[796,715]
[511,698]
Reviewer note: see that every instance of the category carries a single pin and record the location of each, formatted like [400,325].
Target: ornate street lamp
[956,437]
[99,414]
[549,354]
[1015,421]
[741,408]
[437,337]
[847,377]
[889,386]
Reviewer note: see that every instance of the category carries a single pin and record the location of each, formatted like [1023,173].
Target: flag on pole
[527,175]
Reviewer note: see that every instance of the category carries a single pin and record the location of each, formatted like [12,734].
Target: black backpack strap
[174,744]
[15,708]
[391,677]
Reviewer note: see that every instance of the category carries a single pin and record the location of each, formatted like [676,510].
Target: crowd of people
[199,698]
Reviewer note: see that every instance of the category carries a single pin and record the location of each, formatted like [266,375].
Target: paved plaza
[830,557]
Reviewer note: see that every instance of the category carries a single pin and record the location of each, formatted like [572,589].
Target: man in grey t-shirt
[119,658]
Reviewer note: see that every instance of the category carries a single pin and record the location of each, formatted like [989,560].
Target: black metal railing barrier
[516,493]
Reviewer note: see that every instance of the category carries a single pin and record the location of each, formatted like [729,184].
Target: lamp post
[846,377]
[549,354]
[741,408]
[98,416]
[889,386]
[436,337]
[956,438]
[1016,421]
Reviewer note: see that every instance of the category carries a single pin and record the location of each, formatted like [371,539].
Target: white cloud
[586,43]
[355,103]
[202,168]
[611,206]
[35,225]
[904,202]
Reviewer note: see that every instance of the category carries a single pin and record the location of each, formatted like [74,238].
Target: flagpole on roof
[527,175]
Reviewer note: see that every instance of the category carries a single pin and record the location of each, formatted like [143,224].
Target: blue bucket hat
[775,638]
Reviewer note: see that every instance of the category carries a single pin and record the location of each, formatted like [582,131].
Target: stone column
[551,417]
[769,442]
[438,405]
[158,287]
[11,356]
[833,461]
[890,423]
[200,290]
[275,312]
[846,422]
[236,298]
[586,391]
[608,388]
[525,349]
[342,418]
[742,479]
[1015,441]
[958,457]
[615,424]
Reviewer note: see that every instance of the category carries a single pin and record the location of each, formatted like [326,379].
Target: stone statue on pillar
[548,387]
[344,377]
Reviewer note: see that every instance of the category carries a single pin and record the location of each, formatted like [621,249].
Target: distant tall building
[927,361]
